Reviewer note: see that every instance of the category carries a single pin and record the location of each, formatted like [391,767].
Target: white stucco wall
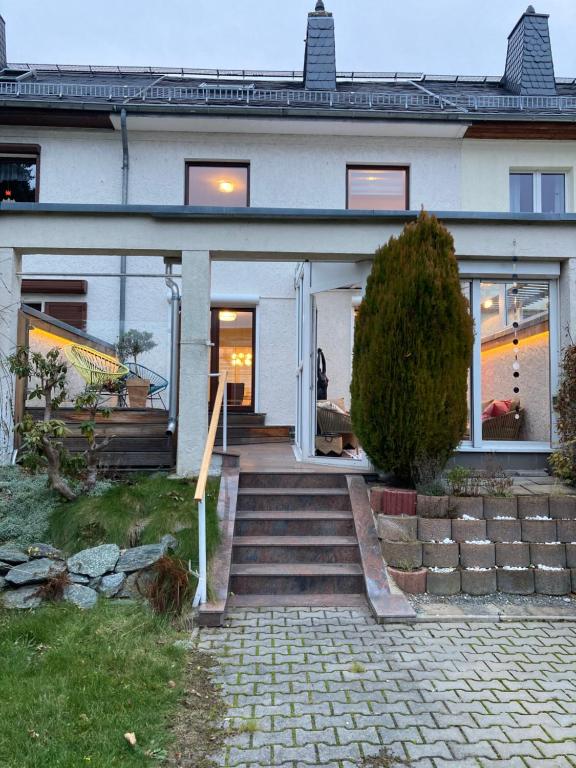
[285,171]
[486,166]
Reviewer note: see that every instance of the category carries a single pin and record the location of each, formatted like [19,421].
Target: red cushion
[496,408]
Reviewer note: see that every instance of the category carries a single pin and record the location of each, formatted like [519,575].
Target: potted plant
[130,345]
[110,392]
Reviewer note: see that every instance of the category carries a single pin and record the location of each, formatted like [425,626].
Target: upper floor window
[377,188]
[538,192]
[18,173]
[218,184]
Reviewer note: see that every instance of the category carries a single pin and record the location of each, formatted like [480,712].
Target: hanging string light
[517,310]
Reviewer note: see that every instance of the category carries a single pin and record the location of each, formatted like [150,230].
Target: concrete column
[10,265]
[194,361]
[567,302]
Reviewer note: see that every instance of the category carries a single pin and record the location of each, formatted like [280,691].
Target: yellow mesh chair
[96,368]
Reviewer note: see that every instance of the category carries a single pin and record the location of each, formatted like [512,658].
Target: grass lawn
[139,512]
[74,682]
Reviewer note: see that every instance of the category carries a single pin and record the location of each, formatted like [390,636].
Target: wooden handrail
[210,440]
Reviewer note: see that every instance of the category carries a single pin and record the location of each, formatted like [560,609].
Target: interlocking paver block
[458,695]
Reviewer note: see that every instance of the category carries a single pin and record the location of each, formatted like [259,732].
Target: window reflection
[378,189]
[515,361]
[17,180]
[218,185]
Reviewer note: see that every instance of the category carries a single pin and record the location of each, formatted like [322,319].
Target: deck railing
[220,406]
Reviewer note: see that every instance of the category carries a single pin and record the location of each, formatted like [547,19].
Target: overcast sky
[431,36]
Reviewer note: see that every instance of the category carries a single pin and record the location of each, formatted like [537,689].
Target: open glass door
[233,350]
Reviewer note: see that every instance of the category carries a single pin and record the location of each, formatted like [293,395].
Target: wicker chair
[96,368]
[505,427]
[158,384]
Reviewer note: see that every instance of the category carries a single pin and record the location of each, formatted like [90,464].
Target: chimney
[529,63]
[320,58]
[3,62]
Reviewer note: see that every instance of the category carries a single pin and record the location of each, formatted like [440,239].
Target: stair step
[279,499]
[307,600]
[295,549]
[294,541]
[292,480]
[296,578]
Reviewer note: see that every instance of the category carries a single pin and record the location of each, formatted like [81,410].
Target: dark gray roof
[165,90]
[529,63]
[320,57]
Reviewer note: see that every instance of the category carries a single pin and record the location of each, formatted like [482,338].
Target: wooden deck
[138,437]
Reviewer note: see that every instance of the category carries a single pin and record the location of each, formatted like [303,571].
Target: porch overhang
[270,234]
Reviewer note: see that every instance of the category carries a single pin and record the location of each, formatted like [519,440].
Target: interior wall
[335,329]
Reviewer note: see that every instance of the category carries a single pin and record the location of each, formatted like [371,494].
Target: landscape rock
[79,578]
[2,583]
[13,555]
[169,542]
[34,571]
[44,550]
[112,584]
[80,596]
[22,599]
[4,567]
[136,585]
[139,557]
[95,561]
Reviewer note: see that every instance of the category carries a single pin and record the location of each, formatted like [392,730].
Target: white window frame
[537,186]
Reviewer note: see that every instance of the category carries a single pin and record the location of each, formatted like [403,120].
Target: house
[265,195]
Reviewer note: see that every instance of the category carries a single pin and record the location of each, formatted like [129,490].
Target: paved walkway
[330,687]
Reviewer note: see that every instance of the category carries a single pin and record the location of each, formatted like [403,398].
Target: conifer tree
[412,352]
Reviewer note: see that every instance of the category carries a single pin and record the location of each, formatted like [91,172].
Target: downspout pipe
[174,351]
[125,177]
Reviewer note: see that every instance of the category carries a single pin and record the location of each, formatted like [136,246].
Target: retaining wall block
[376,494]
[472,506]
[513,554]
[500,506]
[434,530]
[533,506]
[406,555]
[504,530]
[479,582]
[443,583]
[573,572]
[435,507]
[478,555]
[553,582]
[440,555]
[412,582]
[571,555]
[563,507]
[468,530]
[393,528]
[398,501]
[539,530]
[566,530]
[553,555]
[516,582]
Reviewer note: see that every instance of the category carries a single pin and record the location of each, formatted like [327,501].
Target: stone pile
[105,571]
[478,545]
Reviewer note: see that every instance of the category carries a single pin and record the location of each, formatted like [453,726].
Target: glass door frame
[215,356]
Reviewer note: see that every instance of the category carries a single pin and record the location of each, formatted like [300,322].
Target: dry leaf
[130,738]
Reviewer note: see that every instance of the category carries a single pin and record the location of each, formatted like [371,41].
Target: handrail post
[225,420]
[203,585]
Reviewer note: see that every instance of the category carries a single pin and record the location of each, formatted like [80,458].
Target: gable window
[538,192]
[224,185]
[19,173]
[377,188]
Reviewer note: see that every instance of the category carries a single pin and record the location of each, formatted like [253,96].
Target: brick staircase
[295,542]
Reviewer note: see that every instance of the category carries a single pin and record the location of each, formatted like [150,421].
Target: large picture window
[377,188]
[19,173]
[222,185]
